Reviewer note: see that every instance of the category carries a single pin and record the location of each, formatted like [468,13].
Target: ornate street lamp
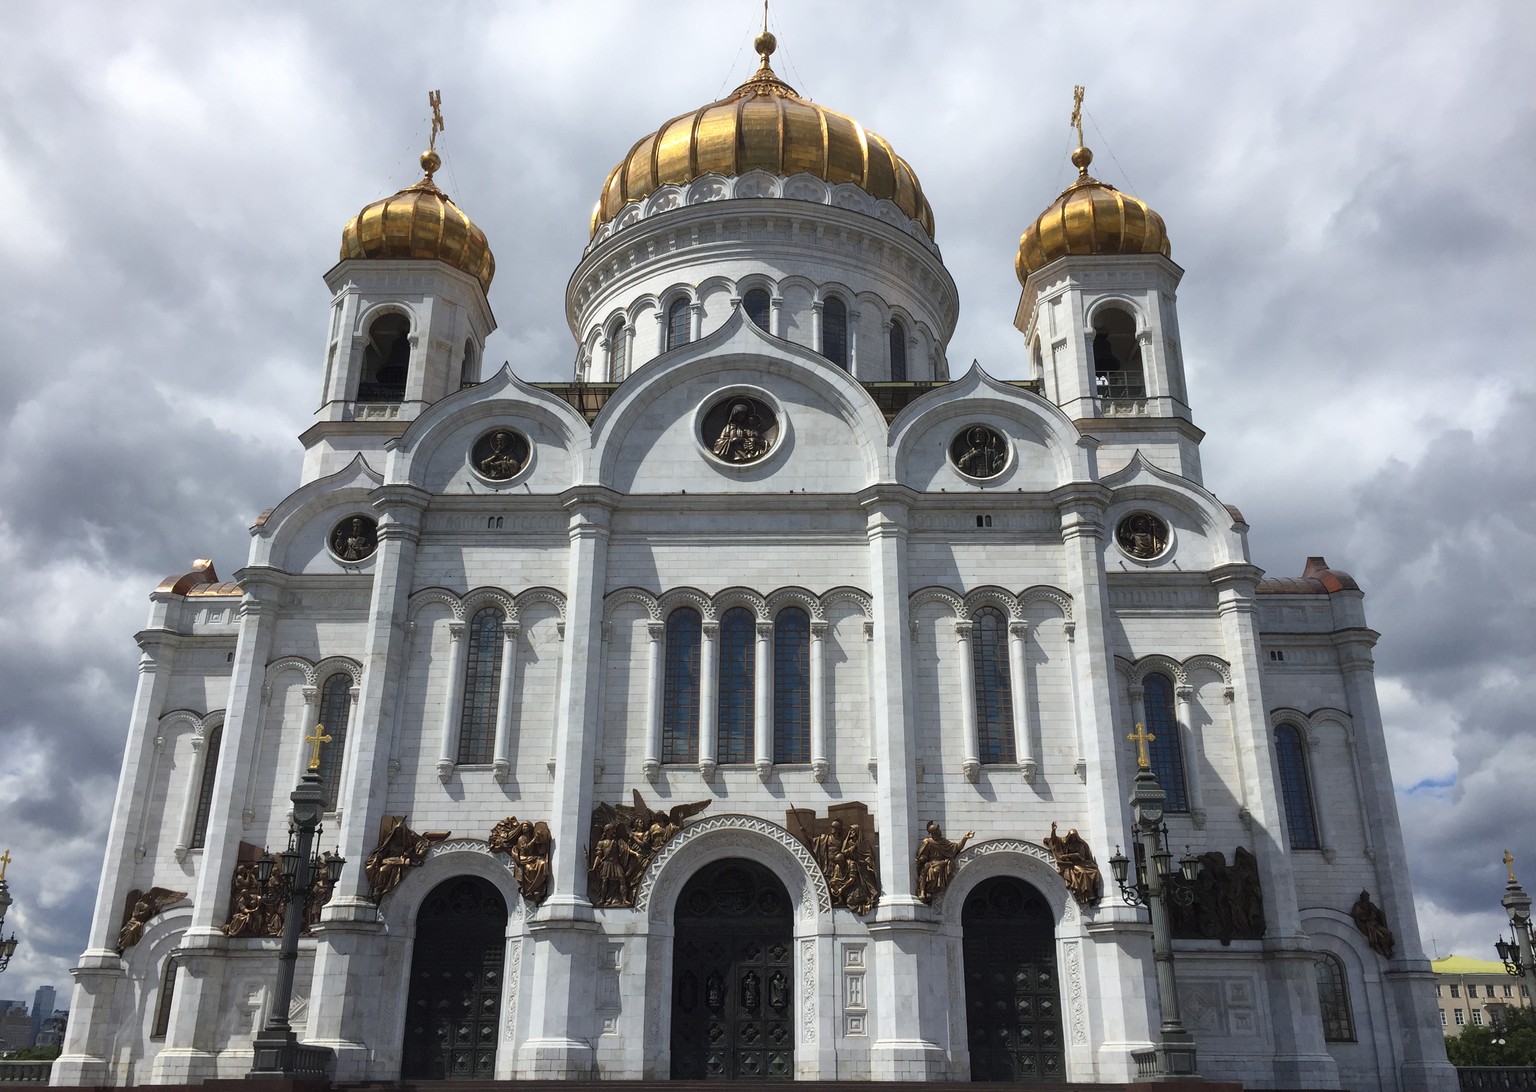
[8,944]
[278,1052]
[1515,953]
[1173,1056]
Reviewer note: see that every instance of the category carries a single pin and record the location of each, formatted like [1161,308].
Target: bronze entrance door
[733,976]
[1012,1002]
[451,1013]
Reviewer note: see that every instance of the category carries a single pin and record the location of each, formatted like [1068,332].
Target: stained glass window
[1333,1000]
[680,701]
[1296,787]
[898,352]
[482,685]
[994,692]
[738,675]
[755,303]
[335,710]
[205,787]
[834,331]
[677,324]
[1166,752]
[792,686]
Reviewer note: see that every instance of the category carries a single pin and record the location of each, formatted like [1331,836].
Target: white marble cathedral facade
[945,599]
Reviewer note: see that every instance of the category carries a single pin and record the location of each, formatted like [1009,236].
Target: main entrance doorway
[733,976]
[455,997]
[1012,1002]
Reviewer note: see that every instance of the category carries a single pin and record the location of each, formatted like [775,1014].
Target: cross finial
[5,859]
[435,100]
[319,736]
[1077,112]
[1509,863]
[1141,737]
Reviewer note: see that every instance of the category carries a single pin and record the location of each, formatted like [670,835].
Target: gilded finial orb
[1082,157]
[765,43]
[430,162]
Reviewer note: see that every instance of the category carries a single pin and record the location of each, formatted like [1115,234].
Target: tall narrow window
[677,324]
[468,374]
[1296,787]
[335,710]
[898,352]
[162,1021]
[994,691]
[738,676]
[1116,356]
[482,685]
[205,787]
[834,331]
[755,304]
[1166,752]
[680,699]
[615,342]
[386,359]
[1333,1000]
[792,686]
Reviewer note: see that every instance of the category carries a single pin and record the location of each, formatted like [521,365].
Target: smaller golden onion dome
[1090,217]
[420,221]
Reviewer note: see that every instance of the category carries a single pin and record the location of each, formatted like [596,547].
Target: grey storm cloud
[1343,184]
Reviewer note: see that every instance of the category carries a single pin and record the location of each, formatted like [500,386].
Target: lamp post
[1173,1056]
[8,944]
[1516,953]
[278,1052]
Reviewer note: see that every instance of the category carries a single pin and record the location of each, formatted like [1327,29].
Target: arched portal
[1012,997]
[456,970]
[733,993]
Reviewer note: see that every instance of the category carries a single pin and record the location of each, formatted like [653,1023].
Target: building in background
[42,1009]
[1475,992]
[756,704]
[15,1027]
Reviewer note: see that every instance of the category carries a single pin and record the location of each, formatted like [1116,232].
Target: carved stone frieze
[746,832]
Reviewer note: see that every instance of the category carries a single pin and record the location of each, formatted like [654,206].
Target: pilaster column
[820,767]
[1244,773]
[501,763]
[695,321]
[816,325]
[970,767]
[453,708]
[853,343]
[1319,814]
[762,706]
[709,699]
[189,802]
[654,695]
[776,316]
[1183,701]
[311,718]
[1368,840]
[1018,679]
[661,331]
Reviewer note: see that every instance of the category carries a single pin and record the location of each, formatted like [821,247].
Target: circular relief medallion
[500,454]
[740,429]
[979,452]
[1142,535]
[355,538]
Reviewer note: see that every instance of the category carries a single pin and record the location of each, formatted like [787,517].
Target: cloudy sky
[1349,187]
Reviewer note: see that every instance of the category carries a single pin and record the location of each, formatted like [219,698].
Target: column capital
[710,630]
[456,630]
[818,631]
[657,631]
[1018,629]
[1184,693]
[765,631]
[963,627]
[261,587]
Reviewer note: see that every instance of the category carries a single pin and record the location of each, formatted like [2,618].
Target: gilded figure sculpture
[400,849]
[143,905]
[1371,920]
[845,854]
[744,436]
[979,452]
[255,908]
[625,837]
[1142,535]
[1227,901]
[528,843]
[936,861]
[354,539]
[1078,868]
[500,455]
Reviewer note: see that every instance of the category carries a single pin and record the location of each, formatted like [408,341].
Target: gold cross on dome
[1509,863]
[1141,737]
[435,100]
[319,736]
[1077,112]
[5,859]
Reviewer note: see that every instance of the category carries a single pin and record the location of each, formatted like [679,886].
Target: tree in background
[1509,1040]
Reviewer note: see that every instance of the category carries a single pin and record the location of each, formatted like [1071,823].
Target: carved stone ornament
[140,907]
[624,839]
[1077,865]
[1142,535]
[740,429]
[500,454]
[1227,903]
[846,850]
[528,843]
[355,538]
[255,908]
[400,849]
[935,864]
[979,452]
[1372,923]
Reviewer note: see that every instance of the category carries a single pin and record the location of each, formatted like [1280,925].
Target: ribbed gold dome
[763,124]
[1090,217]
[420,221]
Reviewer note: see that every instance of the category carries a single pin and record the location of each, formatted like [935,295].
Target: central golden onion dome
[1090,217]
[420,221]
[763,125]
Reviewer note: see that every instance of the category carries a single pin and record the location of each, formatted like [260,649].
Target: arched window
[677,323]
[482,685]
[738,676]
[680,697]
[898,352]
[386,359]
[1296,787]
[755,304]
[335,710]
[468,374]
[792,686]
[1333,999]
[1116,356]
[205,787]
[166,995]
[1166,752]
[994,691]
[615,342]
[834,331]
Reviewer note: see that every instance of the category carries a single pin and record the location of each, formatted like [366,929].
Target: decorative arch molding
[1015,857]
[1044,593]
[188,720]
[669,601]
[1330,717]
[710,839]
[935,594]
[845,594]
[427,597]
[1214,664]
[348,490]
[445,860]
[1115,302]
[481,598]
[464,606]
[1137,670]
[764,608]
[162,936]
[741,597]
[782,598]
[368,316]
[991,596]
[627,596]
[314,673]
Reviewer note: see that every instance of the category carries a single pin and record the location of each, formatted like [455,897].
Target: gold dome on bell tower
[421,222]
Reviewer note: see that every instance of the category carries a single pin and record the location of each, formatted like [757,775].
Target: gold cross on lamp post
[319,736]
[1509,863]
[5,859]
[1141,737]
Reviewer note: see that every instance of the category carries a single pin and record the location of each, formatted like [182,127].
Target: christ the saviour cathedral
[766,701]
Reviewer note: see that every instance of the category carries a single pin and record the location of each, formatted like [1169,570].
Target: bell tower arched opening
[386,359]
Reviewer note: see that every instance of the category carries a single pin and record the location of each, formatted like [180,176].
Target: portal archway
[1012,990]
